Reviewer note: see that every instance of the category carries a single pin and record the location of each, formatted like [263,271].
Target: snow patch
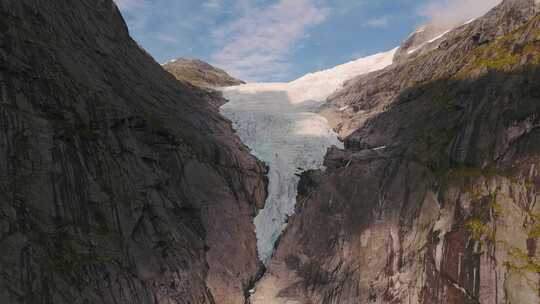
[430,41]
[170,61]
[470,21]
[439,36]
[416,49]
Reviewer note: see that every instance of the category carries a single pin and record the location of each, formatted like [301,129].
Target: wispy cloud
[213,4]
[257,44]
[451,12]
[378,22]
[347,6]
[166,38]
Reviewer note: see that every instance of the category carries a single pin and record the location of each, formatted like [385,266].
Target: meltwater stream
[278,122]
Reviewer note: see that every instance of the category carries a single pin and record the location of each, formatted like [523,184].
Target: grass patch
[505,53]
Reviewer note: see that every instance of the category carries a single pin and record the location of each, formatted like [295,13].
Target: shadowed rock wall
[118,184]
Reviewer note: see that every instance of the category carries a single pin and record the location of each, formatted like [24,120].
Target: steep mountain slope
[369,94]
[200,73]
[279,122]
[426,39]
[118,184]
[435,198]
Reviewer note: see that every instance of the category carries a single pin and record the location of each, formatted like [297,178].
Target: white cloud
[166,38]
[256,44]
[451,12]
[379,22]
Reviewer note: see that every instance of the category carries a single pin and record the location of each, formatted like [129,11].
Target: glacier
[279,123]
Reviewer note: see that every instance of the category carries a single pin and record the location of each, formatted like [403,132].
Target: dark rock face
[118,184]
[200,73]
[435,198]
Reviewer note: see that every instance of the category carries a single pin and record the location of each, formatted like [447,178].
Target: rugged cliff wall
[368,95]
[435,198]
[118,184]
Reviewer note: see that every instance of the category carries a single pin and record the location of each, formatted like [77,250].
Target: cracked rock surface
[435,197]
[118,184]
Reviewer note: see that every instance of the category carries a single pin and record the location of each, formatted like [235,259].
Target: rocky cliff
[368,95]
[200,73]
[435,197]
[118,184]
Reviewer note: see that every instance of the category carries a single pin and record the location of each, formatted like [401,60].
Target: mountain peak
[200,73]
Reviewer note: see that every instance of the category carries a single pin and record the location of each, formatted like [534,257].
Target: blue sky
[280,40]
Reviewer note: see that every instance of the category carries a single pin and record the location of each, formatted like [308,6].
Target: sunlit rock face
[200,73]
[278,122]
[435,197]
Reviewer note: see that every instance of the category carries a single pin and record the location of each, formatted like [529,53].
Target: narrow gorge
[279,121]
[434,198]
[411,176]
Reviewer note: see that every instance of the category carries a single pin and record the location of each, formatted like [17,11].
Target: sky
[281,40]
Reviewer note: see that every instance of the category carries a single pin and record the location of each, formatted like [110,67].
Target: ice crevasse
[278,121]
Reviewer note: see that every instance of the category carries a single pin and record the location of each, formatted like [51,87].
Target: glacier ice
[278,122]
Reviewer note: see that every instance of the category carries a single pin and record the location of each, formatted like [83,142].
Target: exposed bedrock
[118,184]
[200,73]
[434,199]
[367,95]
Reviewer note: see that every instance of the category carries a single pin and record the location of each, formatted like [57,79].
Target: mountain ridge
[439,62]
[200,73]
